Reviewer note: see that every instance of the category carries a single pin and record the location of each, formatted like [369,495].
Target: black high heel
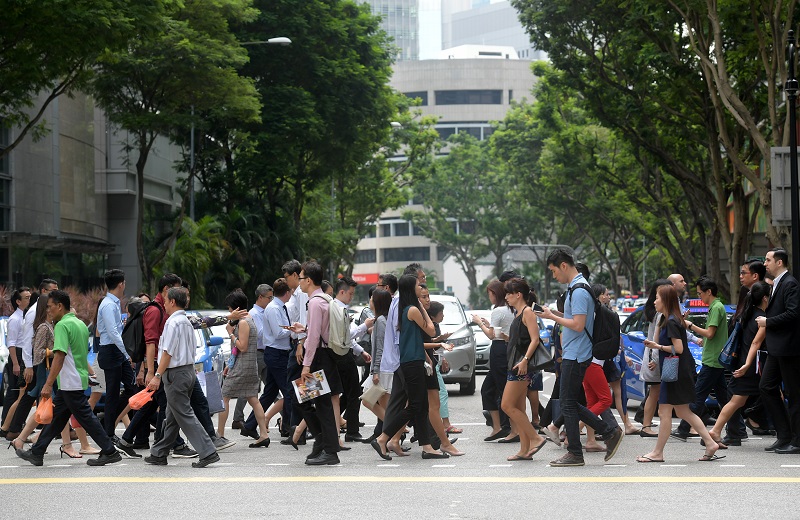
[289,441]
[63,452]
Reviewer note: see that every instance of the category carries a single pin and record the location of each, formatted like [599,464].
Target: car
[213,345]
[483,343]
[462,357]
[633,332]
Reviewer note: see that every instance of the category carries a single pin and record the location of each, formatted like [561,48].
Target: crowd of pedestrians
[295,330]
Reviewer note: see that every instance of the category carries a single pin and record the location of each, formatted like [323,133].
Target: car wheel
[468,388]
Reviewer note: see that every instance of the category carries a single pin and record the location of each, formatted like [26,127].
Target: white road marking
[388,465]
[276,464]
[731,465]
[443,466]
[8,467]
[790,465]
[59,465]
[500,465]
[615,465]
[673,465]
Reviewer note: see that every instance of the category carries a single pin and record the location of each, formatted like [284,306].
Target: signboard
[366,278]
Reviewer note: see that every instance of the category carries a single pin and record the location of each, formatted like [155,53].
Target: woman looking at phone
[675,395]
[522,342]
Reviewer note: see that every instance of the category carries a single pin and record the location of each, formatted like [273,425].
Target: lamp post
[279,40]
[791,89]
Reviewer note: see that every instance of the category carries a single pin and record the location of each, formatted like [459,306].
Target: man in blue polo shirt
[577,320]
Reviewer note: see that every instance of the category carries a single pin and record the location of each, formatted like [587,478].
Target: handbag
[541,359]
[44,412]
[669,368]
[373,394]
[731,349]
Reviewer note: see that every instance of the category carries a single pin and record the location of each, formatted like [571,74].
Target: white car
[482,342]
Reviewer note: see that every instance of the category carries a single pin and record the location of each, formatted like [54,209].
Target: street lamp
[280,40]
[791,89]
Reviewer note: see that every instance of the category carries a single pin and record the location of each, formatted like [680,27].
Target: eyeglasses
[744,272]
[381,285]
[302,277]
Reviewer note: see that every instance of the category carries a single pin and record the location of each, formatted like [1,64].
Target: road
[274,482]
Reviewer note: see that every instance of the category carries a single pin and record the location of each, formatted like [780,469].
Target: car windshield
[453,315]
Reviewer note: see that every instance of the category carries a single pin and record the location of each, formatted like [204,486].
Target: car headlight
[459,342]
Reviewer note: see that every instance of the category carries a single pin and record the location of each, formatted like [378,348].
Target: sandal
[649,432]
[514,458]
[645,458]
[710,457]
[453,429]
[535,449]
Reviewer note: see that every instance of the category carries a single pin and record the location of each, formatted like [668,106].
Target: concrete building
[466,93]
[67,200]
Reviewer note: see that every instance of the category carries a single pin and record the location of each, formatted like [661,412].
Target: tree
[149,88]
[468,208]
[49,48]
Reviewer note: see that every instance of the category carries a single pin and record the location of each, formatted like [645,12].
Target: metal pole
[791,90]
[644,263]
[191,171]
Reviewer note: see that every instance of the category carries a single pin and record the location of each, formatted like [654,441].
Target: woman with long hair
[496,329]
[746,378]
[675,396]
[522,342]
[413,320]
[380,302]
[651,373]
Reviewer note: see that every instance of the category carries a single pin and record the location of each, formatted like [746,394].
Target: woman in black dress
[744,382]
[675,395]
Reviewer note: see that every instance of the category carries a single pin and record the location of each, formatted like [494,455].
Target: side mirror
[214,341]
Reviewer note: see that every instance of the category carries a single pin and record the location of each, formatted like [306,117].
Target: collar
[579,277]
[258,308]
[112,297]
[778,278]
[340,302]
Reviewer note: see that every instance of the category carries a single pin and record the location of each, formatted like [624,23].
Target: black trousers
[14,383]
[417,403]
[495,382]
[350,402]
[787,369]
[293,371]
[118,371]
[318,412]
[66,403]
[277,380]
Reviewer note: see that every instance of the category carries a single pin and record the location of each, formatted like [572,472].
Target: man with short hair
[277,340]
[26,344]
[176,367]
[70,368]
[712,375]
[15,366]
[112,356]
[348,370]
[577,321]
[264,295]
[297,309]
[318,412]
[782,322]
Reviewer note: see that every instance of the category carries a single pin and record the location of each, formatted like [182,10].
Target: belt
[281,349]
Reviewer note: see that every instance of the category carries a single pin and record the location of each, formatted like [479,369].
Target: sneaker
[126,449]
[141,445]
[205,461]
[677,434]
[221,443]
[183,452]
[568,460]
[612,443]
[156,460]
[30,457]
[103,459]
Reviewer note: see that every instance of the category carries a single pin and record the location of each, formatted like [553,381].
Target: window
[417,231]
[401,229]
[441,253]
[469,97]
[386,230]
[422,95]
[444,133]
[474,132]
[5,181]
[366,256]
[406,254]
[510,95]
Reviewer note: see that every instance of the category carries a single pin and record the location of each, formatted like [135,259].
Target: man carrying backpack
[318,412]
[577,346]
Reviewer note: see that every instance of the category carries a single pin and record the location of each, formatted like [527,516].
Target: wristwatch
[525,358]
[157,375]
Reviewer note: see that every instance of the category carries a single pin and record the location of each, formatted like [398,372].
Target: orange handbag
[44,412]
[140,399]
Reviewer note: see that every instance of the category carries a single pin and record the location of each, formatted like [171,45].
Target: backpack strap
[588,289]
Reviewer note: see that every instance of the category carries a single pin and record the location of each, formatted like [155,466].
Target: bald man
[679,283]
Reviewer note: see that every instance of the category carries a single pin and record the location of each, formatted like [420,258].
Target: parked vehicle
[483,343]
[633,332]
[462,357]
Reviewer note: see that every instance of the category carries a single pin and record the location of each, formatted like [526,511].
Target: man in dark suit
[782,322]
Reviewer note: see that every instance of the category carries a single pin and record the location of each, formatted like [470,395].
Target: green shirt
[72,338]
[712,347]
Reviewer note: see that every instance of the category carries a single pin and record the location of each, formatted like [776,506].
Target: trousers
[66,403]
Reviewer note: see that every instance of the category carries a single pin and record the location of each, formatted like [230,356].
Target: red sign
[368,278]
[696,303]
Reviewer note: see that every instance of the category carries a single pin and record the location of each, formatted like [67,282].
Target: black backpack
[133,332]
[605,341]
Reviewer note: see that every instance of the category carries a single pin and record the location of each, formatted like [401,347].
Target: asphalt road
[274,482]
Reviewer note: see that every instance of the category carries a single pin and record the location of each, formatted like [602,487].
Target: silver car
[462,357]
[482,342]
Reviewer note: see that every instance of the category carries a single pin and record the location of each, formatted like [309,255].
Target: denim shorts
[511,376]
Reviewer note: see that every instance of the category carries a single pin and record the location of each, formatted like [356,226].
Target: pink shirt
[318,325]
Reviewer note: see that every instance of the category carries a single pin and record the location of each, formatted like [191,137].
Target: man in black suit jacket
[782,321]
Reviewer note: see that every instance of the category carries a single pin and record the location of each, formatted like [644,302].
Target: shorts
[537,382]
[511,376]
[101,378]
[611,370]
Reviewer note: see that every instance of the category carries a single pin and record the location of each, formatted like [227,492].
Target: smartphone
[287,327]
[537,308]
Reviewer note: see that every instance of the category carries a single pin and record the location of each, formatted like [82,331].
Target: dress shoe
[260,444]
[763,433]
[426,455]
[205,461]
[369,439]
[731,441]
[377,447]
[104,459]
[30,457]
[155,460]
[324,459]
[246,432]
[345,448]
[237,425]
[494,437]
[777,444]
[509,441]
[789,449]
[353,437]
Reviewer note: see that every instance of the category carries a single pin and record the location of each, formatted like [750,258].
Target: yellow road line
[355,478]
